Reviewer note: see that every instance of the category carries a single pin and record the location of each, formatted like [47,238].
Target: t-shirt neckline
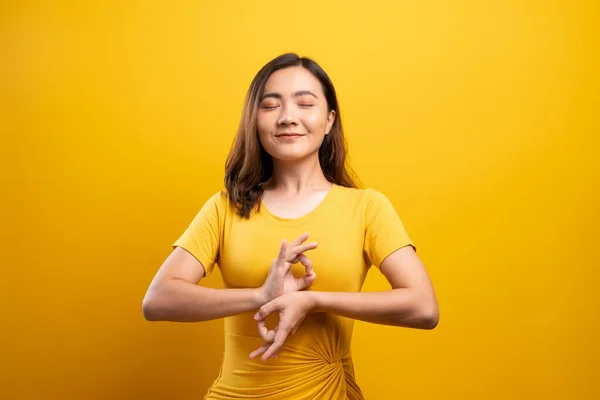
[303,218]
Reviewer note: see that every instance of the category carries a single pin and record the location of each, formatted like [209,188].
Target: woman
[287,332]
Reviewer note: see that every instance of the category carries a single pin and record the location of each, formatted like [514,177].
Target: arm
[410,303]
[174,294]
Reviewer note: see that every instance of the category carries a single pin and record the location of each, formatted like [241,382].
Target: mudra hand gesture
[280,281]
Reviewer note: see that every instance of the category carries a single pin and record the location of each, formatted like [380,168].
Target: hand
[280,279]
[292,308]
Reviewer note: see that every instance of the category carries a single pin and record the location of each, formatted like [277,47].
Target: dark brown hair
[248,164]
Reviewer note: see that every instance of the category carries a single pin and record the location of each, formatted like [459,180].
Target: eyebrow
[296,94]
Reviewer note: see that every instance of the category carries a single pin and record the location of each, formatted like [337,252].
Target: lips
[289,134]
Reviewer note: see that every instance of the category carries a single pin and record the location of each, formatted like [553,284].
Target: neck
[298,176]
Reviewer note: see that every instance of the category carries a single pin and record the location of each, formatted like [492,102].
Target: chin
[290,155]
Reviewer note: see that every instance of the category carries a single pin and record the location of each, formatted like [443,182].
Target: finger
[282,253]
[304,260]
[305,281]
[280,337]
[260,350]
[266,309]
[299,239]
[308,265]
[266,335]
[270,336]
[262,330]
[294,252]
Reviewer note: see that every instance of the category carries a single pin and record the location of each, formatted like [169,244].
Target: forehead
[292,79]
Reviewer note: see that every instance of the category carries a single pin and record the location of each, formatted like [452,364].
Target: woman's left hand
[292,308]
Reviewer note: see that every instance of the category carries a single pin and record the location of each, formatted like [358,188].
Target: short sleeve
[384,230]
[202,237]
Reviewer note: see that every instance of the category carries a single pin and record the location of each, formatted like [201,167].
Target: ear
[330,121]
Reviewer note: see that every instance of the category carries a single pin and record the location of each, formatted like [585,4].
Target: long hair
[248,164]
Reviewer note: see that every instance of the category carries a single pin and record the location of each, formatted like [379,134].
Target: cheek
[263,125]
[316,122]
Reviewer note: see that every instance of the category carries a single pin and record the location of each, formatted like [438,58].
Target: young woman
[290,307]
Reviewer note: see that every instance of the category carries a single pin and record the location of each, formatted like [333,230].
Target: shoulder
[371,203]
[216,203]
[216,199]
[221,197]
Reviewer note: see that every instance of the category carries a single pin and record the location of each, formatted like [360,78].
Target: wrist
[314,300]
[260,297]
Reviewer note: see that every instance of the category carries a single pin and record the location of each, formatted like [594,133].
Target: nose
[286,117]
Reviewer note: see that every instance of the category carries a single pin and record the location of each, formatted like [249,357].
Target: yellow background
[479,119]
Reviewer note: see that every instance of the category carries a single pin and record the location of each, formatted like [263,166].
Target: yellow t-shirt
[355,228]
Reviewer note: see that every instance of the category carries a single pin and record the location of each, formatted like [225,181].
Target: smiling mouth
[289,135]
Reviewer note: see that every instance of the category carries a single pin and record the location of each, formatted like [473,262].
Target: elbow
[426,314]
[429,315]
[430,319]
[151,307]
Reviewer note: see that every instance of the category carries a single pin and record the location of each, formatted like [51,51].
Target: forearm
[180,301]
[398,307]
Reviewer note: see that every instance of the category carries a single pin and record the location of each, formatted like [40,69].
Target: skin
[298,179]
[174,294]
[295,103]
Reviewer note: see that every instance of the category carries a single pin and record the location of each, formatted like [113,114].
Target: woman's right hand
[280,279]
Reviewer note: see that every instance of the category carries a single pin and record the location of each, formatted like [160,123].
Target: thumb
[306,281]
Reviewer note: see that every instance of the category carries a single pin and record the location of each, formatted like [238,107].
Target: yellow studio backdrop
[478,119]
